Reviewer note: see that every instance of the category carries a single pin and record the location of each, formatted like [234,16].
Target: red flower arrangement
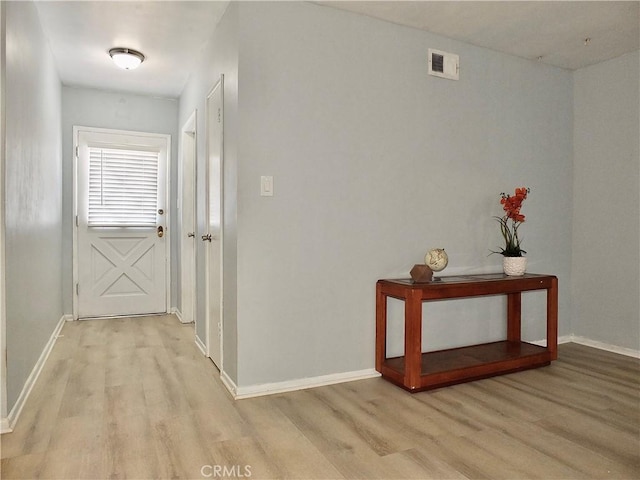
[511,204]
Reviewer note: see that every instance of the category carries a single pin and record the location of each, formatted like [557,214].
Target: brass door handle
[160,231]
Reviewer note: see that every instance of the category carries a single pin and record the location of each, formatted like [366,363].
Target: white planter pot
[514,266]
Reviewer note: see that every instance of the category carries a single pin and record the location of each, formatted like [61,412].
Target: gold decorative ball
[436,259]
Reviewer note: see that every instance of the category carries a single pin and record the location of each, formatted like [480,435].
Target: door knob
[160,231]
[191,234]
[206,237]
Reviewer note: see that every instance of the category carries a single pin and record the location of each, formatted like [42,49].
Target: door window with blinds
[123,187]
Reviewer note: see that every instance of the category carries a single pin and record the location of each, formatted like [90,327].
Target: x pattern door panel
[122,275]
[122,266]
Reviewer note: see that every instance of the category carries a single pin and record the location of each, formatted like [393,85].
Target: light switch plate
[266,186]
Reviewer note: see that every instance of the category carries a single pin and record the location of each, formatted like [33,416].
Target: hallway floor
[135,398]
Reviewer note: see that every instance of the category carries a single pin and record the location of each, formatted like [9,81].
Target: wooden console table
[417,371]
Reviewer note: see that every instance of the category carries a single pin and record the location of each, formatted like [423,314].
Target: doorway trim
[4,421]
[76,130]
[218,85]
[188,289]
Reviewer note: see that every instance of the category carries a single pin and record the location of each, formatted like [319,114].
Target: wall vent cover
[443,64]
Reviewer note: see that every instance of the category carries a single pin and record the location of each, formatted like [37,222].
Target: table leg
[514,316]
[412,339]
[552,319]
[381,328]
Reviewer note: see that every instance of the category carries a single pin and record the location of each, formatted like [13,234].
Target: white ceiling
[552,32]
[170,33]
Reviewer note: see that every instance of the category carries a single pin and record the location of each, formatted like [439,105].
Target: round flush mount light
[126,58]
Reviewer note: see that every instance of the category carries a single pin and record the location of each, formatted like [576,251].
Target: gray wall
[606,261]
[374,162]
[218,56]
[95,108]
[33,195]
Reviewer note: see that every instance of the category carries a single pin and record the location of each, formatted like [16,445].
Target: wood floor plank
[38,418]
[23,466]
[468,456]
[594,390]
[181,448]
[123,366]
[80,433]
[164,393]
[382,437]
[503,449]
[128,450]
[420,463]
[347,446]
[219,423]
[124,398]
[293,454]
[244,456]
[597,435]
[589,463]
[66,464]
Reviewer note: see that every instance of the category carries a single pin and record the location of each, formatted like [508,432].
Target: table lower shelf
[457,365]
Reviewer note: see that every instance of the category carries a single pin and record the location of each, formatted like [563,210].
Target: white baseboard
[303,383]
[5,426]
[178,314]
[562,339]
[8,423]
[298,384]
[230,384]
[201,346]
[629,352]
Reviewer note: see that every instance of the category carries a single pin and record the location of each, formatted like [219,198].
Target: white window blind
[123,187]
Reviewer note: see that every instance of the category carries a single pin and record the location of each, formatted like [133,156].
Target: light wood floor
[134,398]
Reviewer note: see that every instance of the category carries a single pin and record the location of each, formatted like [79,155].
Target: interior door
[121,223]
[213,236]
[188,221]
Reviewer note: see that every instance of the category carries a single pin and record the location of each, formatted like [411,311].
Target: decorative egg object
[436,259]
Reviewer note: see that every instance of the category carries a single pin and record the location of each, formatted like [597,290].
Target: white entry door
[122,247]
[213,236]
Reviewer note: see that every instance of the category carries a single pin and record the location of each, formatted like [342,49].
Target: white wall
[374,162]
[606,221]
[123,111]
[33,195]
[218,56]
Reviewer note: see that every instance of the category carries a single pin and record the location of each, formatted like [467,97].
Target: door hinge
[219,116]
[76,151]
[77,289]
[77,224]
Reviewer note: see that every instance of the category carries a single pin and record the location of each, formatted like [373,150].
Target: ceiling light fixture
[126,58]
